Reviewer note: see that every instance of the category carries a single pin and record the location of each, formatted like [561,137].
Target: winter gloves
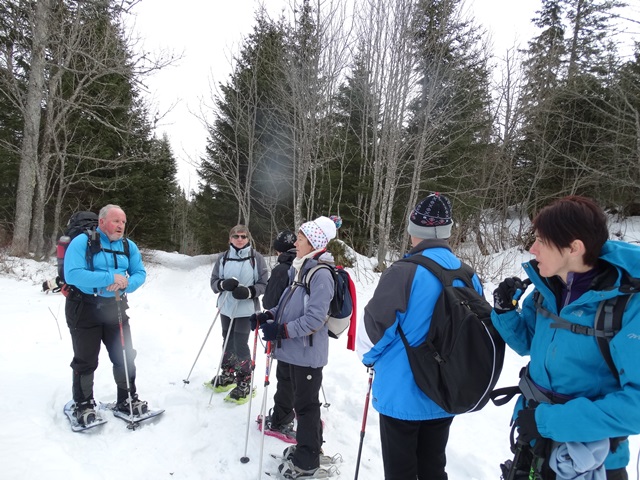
[239,292]
[526,423]
[54,285]
[260,318]
[228,284]
[242,293]
[271,331]
[503,296]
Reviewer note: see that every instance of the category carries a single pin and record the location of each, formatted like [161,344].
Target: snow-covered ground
[198,437]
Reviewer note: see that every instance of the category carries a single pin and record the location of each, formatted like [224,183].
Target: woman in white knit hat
[298,332]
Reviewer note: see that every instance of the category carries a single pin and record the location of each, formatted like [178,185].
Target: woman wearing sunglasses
[239,277]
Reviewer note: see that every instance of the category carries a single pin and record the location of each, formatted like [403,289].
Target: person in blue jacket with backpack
[414,430]
[299,336]
[573,401]
[93,314]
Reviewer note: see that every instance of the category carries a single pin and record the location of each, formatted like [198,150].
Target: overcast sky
[205,32]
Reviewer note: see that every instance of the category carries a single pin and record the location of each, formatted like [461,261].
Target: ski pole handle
[525,283]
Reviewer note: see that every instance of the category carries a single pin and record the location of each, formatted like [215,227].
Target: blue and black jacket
[406,295]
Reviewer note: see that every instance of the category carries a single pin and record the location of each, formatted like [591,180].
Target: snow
[199,436]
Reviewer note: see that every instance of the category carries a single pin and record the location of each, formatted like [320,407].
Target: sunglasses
[235,237]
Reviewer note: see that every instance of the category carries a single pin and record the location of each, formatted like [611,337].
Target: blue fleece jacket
[78,274]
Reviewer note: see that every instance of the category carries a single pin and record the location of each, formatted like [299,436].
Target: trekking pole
[516,460]
[326,404]
[224,349]
[186,380]
[245,458]
[60,334]
[263,408]
[132,425]
[364,422]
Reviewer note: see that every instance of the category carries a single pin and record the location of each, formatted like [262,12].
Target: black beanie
[431,218]
[284,241]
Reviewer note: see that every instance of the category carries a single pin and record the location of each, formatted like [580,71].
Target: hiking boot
[289,471]
[85,412]
[224,381]
[139,407]
[288,452]
[241,392]
[286,429]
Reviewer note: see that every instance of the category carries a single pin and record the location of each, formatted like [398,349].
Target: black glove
[242,293]
[272,330]
[503,295]
[260,318]
[228,284]
[526,423]
[53,285]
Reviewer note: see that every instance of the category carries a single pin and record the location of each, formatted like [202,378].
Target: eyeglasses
[235,237]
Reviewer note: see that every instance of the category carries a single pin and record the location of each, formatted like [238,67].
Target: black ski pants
[92,321]
[306,383]
[283,399]
[617,474]
[414,449]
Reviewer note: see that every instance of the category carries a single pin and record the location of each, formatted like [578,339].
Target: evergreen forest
[357,109]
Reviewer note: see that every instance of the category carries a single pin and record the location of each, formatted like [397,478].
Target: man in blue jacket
[92,312]
[414,430]
[577,397]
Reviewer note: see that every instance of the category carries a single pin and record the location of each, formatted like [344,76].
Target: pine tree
[348,175]
[450,127]
[249,161]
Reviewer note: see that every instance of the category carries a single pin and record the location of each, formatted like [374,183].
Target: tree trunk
[29,152]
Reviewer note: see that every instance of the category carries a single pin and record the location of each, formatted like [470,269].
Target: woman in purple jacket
[298,332]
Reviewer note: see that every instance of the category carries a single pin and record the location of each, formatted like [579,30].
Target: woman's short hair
[239,229]
[573,218]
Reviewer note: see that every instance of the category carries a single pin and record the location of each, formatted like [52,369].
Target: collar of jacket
[430,243]
[605,279]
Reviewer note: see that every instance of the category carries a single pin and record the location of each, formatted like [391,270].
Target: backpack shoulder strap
[251,258]
[607,323]
[445,275]
[93,246]
[306,278]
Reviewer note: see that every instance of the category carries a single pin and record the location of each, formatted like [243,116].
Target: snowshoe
[138,407]
[288,471]
[134,420]
[286,432]
[240,394]
[325,460]
[74,415]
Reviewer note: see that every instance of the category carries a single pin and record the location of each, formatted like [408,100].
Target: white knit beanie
[319,232]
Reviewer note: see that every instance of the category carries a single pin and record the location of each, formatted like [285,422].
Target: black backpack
[461,359]
[81,222]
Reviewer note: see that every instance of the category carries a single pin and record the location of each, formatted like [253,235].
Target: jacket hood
[622,255]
